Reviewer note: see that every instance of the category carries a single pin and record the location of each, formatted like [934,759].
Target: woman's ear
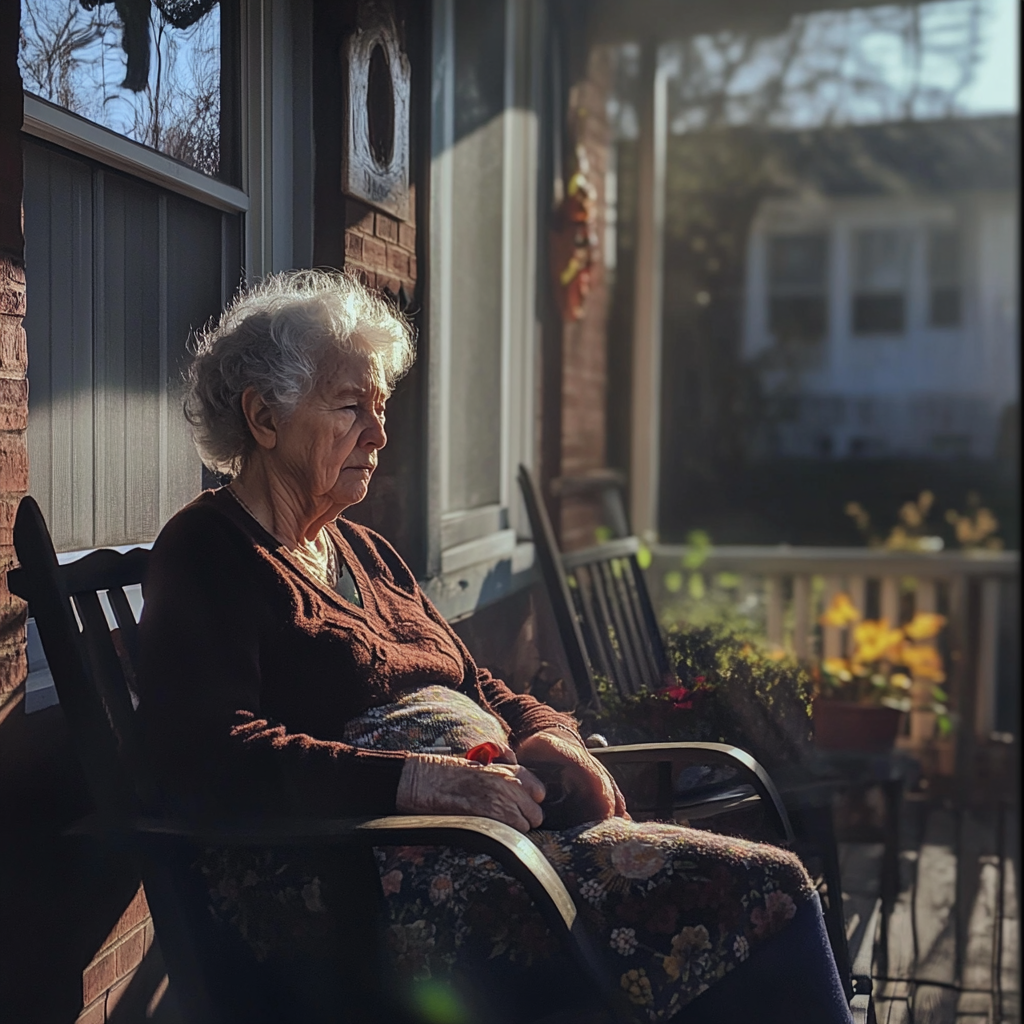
[260,417]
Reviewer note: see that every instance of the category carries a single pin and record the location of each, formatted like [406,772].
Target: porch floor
[948,952]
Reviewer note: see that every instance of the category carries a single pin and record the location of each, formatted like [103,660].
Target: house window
[797,288]
[944,291]
[477,275]
[483,283]
[156,79]
[881,277]
[121,272]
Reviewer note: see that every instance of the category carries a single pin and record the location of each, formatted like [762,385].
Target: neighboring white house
[881,292]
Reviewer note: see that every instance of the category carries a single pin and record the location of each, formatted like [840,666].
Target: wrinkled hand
[591,786]
[439,784]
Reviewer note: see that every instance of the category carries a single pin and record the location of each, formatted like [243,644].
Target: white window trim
[460,538]
[51,123]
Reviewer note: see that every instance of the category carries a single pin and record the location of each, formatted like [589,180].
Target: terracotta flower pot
[844,725]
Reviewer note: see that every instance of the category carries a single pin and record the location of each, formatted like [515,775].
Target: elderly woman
[290,663]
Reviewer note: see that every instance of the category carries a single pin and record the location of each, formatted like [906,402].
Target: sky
[854,65]
[997,86]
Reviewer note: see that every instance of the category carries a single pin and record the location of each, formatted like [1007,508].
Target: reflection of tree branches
[75,58]
[53,38]
[830,67]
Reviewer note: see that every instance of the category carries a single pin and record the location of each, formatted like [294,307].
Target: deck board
[952,949]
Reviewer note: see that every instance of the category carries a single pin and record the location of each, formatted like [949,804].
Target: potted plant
[731,689]
[891,671]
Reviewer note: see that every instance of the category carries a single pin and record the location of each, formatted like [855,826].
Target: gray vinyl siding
[120,272]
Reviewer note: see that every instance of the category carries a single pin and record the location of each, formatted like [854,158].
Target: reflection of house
[882,292]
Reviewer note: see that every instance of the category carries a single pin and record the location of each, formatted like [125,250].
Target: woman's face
[329,444]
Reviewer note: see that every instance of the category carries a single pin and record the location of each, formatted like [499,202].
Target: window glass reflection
[151,73]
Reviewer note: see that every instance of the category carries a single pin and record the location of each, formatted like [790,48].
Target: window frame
[460,539]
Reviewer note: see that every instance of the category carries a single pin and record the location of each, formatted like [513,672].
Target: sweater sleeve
[212,746]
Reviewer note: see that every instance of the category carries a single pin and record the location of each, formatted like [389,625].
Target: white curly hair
[273,337]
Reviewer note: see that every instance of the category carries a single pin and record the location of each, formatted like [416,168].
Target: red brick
[392,284]
[12,271]
[386,228]
[94,1013]
[12,287]
[398,261]
[150,935]
[353,246]
[407,237]
[134,914]
[358,216]
[13,404]
[98,977]
[131,951]
[412,269]
[116,992]
[368,278]
[8,510]
[375,253]
[13,464]
[13,345]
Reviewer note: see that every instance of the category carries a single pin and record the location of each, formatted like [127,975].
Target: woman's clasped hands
[442,784]
[509,791]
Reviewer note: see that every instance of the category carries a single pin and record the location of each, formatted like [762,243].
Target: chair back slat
[89,672]
[558,593]
[616,635]
[647,640]
[594,624]
[614,629]
[128,630]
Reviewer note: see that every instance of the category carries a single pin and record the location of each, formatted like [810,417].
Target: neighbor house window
[944,292]
[155,79]
[881,267]
[797,288]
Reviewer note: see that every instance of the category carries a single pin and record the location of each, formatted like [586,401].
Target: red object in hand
[484,753]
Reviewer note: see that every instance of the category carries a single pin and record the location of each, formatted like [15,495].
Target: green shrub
[731,691]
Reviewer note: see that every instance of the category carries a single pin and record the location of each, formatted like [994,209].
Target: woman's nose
[374,436]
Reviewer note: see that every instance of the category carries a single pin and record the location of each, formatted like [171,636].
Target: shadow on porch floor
[948,951]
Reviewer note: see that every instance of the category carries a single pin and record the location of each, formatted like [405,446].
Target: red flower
[680,696]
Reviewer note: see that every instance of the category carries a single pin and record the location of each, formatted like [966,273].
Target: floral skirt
[674,909]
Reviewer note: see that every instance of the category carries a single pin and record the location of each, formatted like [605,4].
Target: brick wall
[382,249]
[585,342]
[13,356]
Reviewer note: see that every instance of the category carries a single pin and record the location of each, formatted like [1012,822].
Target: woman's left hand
[593,789]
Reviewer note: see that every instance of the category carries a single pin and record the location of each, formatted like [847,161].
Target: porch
[949,949]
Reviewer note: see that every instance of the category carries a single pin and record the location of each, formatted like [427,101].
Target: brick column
[585,342]
[13,359]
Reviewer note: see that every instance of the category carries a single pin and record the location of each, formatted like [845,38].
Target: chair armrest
[680,755]
[511,849]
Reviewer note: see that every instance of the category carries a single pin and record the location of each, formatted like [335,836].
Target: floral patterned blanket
[674,909]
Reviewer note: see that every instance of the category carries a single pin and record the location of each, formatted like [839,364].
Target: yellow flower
[922,662]
[838,667]
[840,612]
[924,625]
[900,681]
[638,987]
[874,639]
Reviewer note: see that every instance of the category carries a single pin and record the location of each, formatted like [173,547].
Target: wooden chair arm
[513,850]
[679,755]
[517,855]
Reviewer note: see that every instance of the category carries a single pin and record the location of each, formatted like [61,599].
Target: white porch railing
[789,587]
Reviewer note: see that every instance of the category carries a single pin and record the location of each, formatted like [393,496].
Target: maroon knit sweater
[249,669]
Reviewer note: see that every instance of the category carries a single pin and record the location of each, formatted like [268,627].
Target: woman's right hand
[439,784]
